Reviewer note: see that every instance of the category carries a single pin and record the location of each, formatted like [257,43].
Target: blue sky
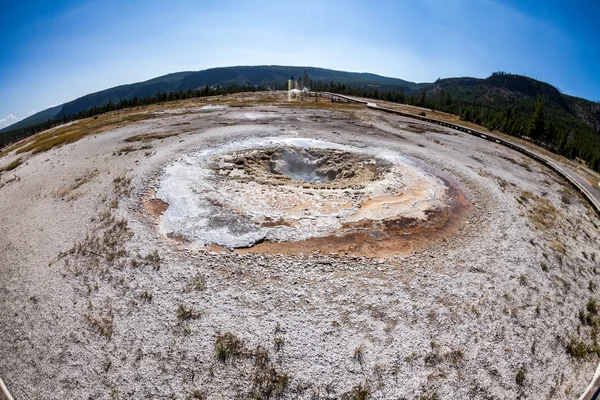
[55,51]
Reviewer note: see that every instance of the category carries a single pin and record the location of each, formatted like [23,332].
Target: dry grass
[523,164]
[358,392]
[541,212]
[69,192]
[266,381]
[197,283]
[198,394]
[104,247]
[71,133]
[184,314]
[102,322]
[12,165]
[151,137]
[228,346]
[359,354]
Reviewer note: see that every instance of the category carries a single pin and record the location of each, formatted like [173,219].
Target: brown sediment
[153,206]
[384,238]
[270,222]
[216,248]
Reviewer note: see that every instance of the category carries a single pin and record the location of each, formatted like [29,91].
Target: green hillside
[272,76]
[514,104]
[517,105]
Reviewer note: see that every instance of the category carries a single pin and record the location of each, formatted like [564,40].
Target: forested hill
[502,91]
[513,104]
[522,106]
[275,77]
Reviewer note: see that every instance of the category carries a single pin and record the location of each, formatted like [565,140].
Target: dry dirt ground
[96,303]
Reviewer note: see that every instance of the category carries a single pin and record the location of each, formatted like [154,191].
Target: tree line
[542,119]
[14,135]
[539,118]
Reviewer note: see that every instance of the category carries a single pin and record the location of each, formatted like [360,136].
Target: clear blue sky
[55,51]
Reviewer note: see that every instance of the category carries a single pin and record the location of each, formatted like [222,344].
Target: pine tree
[467,114]
[423,98]
[537,126]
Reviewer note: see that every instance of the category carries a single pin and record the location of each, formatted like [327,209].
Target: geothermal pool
[294,195]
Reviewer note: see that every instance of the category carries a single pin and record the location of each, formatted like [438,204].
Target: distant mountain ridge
[498,91]
[275,76]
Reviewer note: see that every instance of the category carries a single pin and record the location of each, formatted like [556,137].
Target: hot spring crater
[293,196]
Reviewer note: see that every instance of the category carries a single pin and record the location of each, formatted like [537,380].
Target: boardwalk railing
[563,171]
[4,394]
[593,389]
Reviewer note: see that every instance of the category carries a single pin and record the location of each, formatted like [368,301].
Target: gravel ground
[96,303]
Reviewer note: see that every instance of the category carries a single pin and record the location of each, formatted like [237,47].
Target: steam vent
[296,195]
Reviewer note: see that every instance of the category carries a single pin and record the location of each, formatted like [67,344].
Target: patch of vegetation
[68,192]
[358,392]
[13,165]
[580,347]
[102,323]
[153,260]
[579,350]
[150,137]
[592,308]
[359,354]
[429,396]
[566,199]
[121,186]
[130,149]
[261,356]
[541,212]
[268,383]
[523,280]
[453,357]
[102,248]
[115,393]
[198,395]
[184,313]
[228,346]
[71,133]
[279,342]
[197,283]
[523,164]
[125,150]
[520,377]
[146,296]
[411,357]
